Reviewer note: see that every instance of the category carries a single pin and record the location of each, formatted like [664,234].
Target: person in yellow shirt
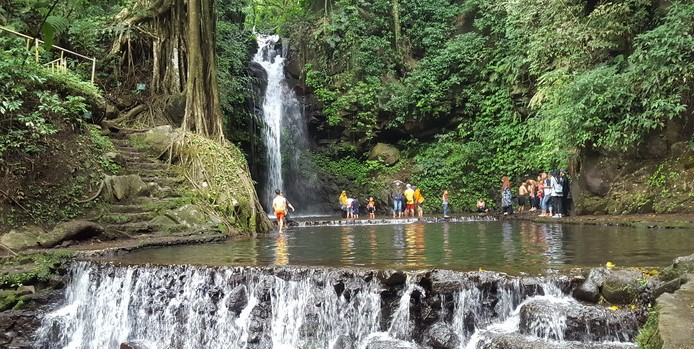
[343,202]
[409,200]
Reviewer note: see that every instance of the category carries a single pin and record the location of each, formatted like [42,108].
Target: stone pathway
[155,213]
[676,323]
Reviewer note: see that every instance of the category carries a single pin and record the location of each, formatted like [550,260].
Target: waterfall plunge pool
[512,247]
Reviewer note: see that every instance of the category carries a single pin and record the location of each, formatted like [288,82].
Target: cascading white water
[224,307]
[284,129]
[273,63]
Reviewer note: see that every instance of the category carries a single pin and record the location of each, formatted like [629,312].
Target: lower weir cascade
[148,307]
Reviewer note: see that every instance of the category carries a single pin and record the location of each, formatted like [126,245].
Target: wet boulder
[392,278]
[445,282]
[238,299]
[342,342]
[516,341]
[442,336]
[570,320]
[390,344]
[133,345]
[622,286]
[589,290]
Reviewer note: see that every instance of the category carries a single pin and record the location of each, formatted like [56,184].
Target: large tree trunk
[183,59]
[203,113]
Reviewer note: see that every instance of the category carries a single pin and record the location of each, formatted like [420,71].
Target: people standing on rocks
[397,204]
[371,207]
[444,203]
[506,196]
[279,206]
[522,197]
[409,200]
[418,201]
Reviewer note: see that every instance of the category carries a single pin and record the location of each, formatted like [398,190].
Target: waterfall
[243,307]
[284,131]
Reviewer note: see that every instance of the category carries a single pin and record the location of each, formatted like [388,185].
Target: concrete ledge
[676,323]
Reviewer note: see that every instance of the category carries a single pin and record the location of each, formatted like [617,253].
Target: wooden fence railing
[59,64]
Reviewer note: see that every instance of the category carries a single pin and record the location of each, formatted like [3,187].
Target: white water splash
[198,307]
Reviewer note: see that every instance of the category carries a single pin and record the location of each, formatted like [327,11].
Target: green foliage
[649,336]
[36,268]
[235,47]
[28,105]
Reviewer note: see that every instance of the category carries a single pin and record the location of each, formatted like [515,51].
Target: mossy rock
[622,286]
[124,188]
[156,141]
[23,239]
[386,153]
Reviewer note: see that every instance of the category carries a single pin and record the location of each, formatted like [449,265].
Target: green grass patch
[649,336]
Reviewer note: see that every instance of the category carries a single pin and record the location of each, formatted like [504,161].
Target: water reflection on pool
[510,246]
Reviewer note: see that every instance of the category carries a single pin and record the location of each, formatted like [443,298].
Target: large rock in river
[570,320]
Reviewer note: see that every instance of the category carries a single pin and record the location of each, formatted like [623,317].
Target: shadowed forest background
[466,91]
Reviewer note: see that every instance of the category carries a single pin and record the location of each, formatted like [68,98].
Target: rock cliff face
[656,177]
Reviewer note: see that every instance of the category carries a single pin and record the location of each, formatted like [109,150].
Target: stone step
[131,228]
[116,209]
[165,181]
[149,173]
[136,159]
[137,215]
[141,165]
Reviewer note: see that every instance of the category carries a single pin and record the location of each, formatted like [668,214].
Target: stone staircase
[158,209]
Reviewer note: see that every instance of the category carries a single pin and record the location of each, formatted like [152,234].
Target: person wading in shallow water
[444,202]
[279,205]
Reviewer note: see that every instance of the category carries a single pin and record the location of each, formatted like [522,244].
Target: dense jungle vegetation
[476,89]
[467,90]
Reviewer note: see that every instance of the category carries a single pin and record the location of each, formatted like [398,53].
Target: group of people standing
[550,193]
[405,204]
[350,206]
[409,202]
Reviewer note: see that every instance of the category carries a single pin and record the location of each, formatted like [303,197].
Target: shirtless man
[279,205]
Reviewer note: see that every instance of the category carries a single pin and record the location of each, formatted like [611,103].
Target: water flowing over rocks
[570,320]
[110,306]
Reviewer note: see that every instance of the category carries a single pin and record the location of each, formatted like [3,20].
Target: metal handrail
[37,43]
